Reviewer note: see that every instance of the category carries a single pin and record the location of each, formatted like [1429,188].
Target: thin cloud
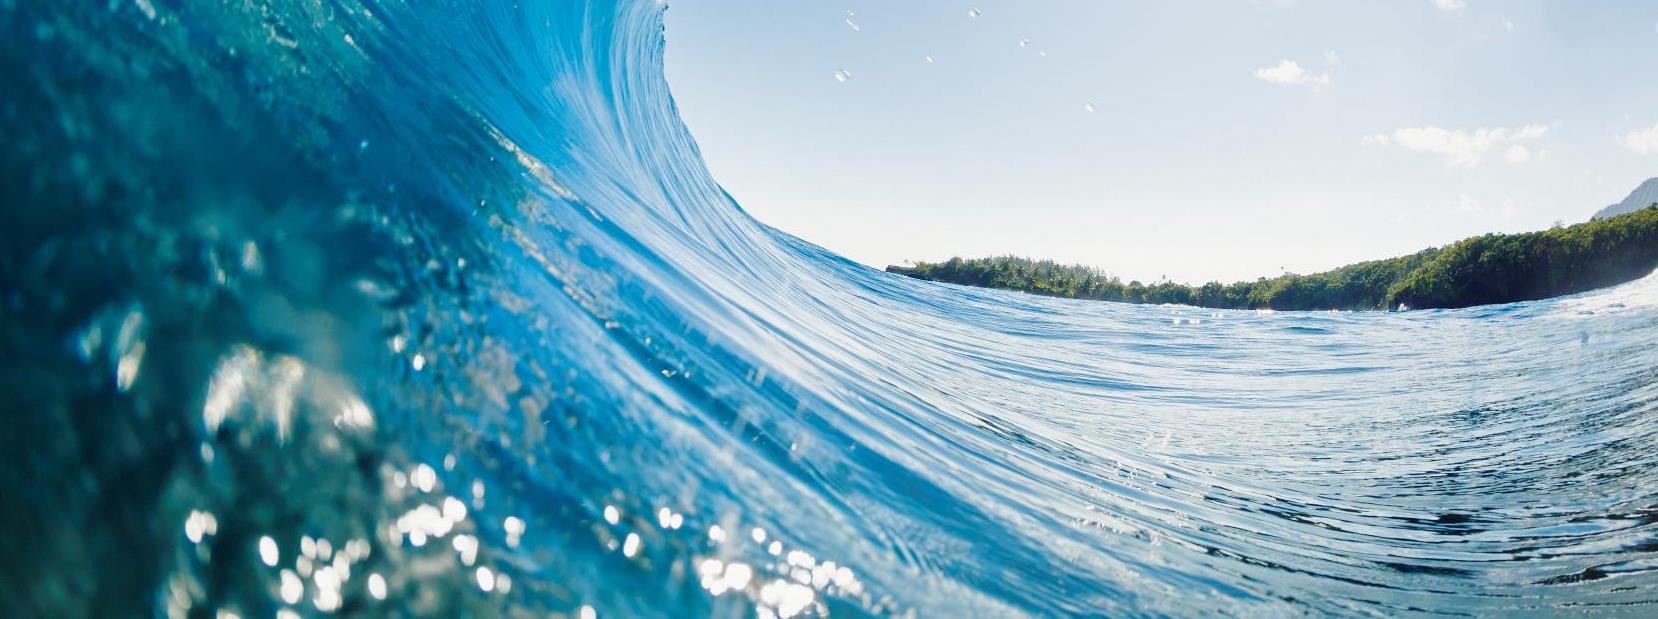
[1454,7]
[1461,147]
[1468,204]
[1519,153]
[1642,141]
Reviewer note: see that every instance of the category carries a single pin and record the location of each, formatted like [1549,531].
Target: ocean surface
[431,308]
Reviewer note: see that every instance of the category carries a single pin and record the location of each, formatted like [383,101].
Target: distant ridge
[1644,196]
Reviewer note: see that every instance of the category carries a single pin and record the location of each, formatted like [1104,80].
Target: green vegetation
[1495,268]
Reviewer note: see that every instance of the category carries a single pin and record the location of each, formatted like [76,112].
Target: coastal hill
[1494,268]
[1642,197]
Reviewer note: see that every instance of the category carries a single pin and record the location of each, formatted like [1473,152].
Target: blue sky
[1227,140]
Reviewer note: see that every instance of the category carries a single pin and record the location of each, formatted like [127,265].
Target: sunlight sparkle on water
[268,552]
[513,526]
[454,509]
[424,477]
[719,577]
[200,524]
[292,587]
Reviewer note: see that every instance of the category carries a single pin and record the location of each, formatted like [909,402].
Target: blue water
[431,308]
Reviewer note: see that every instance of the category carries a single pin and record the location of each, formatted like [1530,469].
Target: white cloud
[1463,148]
[1642,141]
[1451,6]
[1290,73]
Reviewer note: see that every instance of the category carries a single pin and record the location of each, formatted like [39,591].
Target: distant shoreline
[1481,270]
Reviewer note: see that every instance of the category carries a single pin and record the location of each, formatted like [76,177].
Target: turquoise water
[431,308]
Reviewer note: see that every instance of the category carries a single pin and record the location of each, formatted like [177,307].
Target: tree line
[1494,268]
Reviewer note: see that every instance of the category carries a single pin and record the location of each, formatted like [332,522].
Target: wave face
[432,308]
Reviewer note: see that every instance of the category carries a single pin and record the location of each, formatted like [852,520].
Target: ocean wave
[432,308]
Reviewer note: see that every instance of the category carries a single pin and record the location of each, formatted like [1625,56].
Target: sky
[1193,141]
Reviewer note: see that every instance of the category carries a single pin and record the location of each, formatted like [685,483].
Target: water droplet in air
[854,26]
[931,59]
[1089,106]
[842,75]
[974,12]
[1024,42]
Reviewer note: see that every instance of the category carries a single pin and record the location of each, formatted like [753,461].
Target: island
[1482,270]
